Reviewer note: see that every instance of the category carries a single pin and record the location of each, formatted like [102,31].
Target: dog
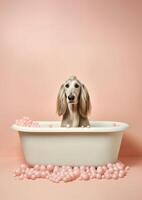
[73,103]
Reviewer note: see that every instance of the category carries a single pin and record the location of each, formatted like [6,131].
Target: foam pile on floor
[70,173]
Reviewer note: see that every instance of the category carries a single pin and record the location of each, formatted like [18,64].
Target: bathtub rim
[121,126]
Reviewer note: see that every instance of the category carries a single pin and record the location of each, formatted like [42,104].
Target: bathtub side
[70,148]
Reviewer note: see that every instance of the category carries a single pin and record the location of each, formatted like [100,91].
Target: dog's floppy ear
[84,102]
[61,101]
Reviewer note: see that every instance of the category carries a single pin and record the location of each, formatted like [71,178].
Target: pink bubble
[123,166]
[100,170]
[29,174]
[50,167]
[57,180]
[72,176]
[38,174]
[25,175]
[65,173]
[92,177]
[92,168]
[127,168]
[56,169]
[23,171]
[47,172]
[115,169]
[122,172]
[19,122]
[67,178]
[31,170]
[18,172]
[61,176]
[115,172]
[54,176]
[23,166]
[27,170]
[21,177]
[82,171]
[27,122]
[109,165]
[119,163]
[43,174]
[87,168]
[110,170]
[37,167]
[76,168]
[68,167]
[33,177]
[98,176]
[35,124]
[85,176]
[80,178]
[107,176]
[82,167]
[120,167]
[104,167]
[93,174]
[42,168]
[113,165]
[121,175]
[76,173]
[89,174]
[114,176]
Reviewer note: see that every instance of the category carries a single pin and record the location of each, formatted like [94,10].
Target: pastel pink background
[44,42]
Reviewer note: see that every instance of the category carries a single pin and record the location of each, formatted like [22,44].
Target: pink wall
[43,42]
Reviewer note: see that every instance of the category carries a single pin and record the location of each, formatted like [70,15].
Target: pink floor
[129,187]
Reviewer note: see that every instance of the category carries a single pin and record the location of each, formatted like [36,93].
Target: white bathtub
[97,145]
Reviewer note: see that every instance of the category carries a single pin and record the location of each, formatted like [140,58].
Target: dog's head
[73,92]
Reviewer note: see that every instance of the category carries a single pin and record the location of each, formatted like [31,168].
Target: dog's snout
[71,97]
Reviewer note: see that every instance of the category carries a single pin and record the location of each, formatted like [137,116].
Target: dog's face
[72,90]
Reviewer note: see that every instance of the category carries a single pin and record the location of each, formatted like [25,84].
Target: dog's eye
[67,85]
[76,85]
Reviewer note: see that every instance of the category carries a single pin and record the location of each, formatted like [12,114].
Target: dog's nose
[71,97]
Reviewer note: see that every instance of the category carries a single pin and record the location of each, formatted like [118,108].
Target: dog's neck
[73,113]
[72,108]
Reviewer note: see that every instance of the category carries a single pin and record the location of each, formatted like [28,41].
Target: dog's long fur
[74,114]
